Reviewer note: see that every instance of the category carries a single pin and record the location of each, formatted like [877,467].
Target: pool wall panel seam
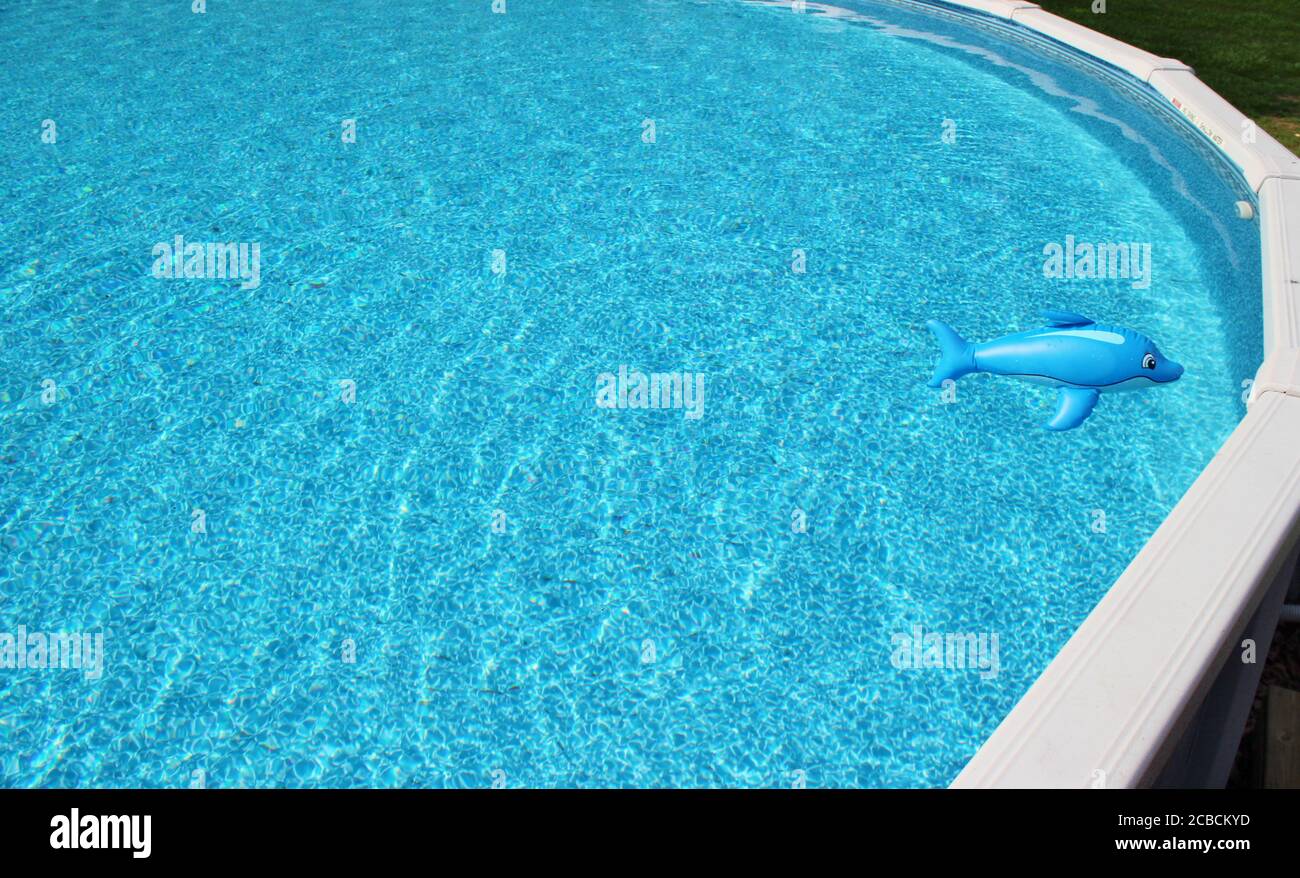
[1279,216]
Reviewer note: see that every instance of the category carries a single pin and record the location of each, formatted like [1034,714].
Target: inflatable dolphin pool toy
[1079,357]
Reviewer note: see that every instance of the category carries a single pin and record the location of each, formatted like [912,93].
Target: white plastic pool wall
[1113,704]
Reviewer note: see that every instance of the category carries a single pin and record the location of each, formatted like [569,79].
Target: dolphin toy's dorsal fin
[1064,318]
[1073,405]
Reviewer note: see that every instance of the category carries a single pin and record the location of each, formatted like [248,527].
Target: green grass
[1246,50]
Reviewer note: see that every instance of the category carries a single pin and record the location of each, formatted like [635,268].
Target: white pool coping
[1114,701]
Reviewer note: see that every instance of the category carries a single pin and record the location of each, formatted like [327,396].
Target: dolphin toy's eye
[1149,362]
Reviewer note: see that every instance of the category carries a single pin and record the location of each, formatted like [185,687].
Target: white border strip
[1114,702]
[1279,229]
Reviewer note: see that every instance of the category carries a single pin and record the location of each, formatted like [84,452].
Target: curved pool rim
[1112,706]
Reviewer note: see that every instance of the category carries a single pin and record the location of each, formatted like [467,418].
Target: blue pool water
[645,611]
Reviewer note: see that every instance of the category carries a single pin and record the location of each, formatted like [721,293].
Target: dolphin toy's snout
[1077,356]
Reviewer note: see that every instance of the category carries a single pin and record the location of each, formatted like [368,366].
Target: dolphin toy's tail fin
[956,355]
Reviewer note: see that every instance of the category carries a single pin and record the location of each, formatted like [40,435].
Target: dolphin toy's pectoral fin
[1064,318]
[1073,405]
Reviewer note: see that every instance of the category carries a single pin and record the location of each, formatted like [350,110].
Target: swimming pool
[364,522]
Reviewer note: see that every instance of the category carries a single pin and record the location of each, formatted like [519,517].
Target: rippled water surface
[646,611]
